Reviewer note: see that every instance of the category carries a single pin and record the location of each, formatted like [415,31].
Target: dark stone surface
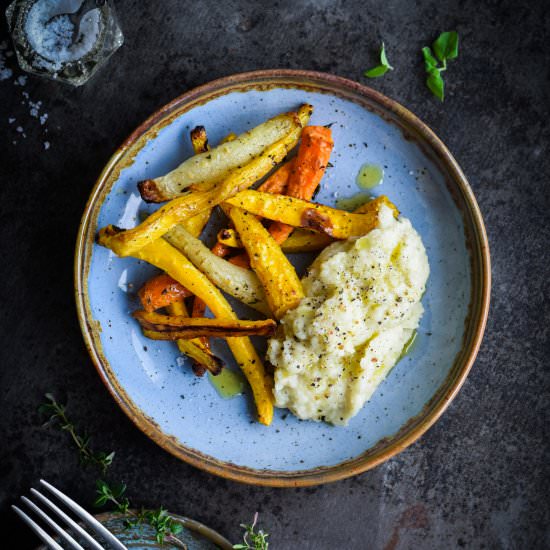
[479,478]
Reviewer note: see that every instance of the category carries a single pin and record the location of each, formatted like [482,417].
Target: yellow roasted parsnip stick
[282,287]
[127,242]
[164,256]
[299,213]
[299,240]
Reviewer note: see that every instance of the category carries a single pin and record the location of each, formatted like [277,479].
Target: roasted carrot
[242,260]
[176,327]
[277,182]
[221,250]
[309,168]
[161,291]
[304,175]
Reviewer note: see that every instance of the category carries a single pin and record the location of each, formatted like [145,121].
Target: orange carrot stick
[311,162]
[277,182]
[161,291]
[221,250]
[241,260]
[309,168]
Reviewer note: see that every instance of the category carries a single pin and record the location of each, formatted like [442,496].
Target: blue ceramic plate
[185,414]
[194,535]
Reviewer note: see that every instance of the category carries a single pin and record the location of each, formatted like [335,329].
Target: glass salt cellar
[43,35]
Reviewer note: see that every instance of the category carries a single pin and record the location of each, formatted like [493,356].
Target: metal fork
[86,518]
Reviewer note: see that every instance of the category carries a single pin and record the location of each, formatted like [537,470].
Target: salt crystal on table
[11,120]
[5,73]
[46,145]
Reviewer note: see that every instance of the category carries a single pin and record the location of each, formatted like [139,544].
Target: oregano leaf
[436,84]
[377,71]
[382,68]
[383,58]
[430,62]
[446,46]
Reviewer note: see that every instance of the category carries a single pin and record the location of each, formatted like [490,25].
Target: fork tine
[37,529]
[61,532]
[85,517]
[68,520]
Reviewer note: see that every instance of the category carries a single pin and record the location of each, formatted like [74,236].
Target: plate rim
[194,525]
[416,426]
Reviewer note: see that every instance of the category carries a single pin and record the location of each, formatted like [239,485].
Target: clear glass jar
[43,42]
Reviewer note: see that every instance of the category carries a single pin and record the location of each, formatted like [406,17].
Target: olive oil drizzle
[228,383]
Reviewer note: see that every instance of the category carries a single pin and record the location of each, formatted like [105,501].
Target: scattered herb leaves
[253,540]
[382,68]
[445,47]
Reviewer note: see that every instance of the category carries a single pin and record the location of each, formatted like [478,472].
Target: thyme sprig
[253,540]
[56,413]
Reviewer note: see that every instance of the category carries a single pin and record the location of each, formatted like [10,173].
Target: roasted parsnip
[317,217]
[283,289]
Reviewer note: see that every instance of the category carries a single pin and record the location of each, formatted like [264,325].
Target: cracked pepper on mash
[361,306]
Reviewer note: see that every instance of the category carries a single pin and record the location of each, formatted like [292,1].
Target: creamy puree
[361,306]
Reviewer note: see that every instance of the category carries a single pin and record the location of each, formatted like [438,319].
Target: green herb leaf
[436,84]
[446,46]
[176,528]
[112,494]
[383,58]
[430,62]
[382,68]
[377,71]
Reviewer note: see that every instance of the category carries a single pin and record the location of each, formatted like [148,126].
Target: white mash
[361,306]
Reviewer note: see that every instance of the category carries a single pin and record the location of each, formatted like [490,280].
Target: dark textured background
[479,478]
